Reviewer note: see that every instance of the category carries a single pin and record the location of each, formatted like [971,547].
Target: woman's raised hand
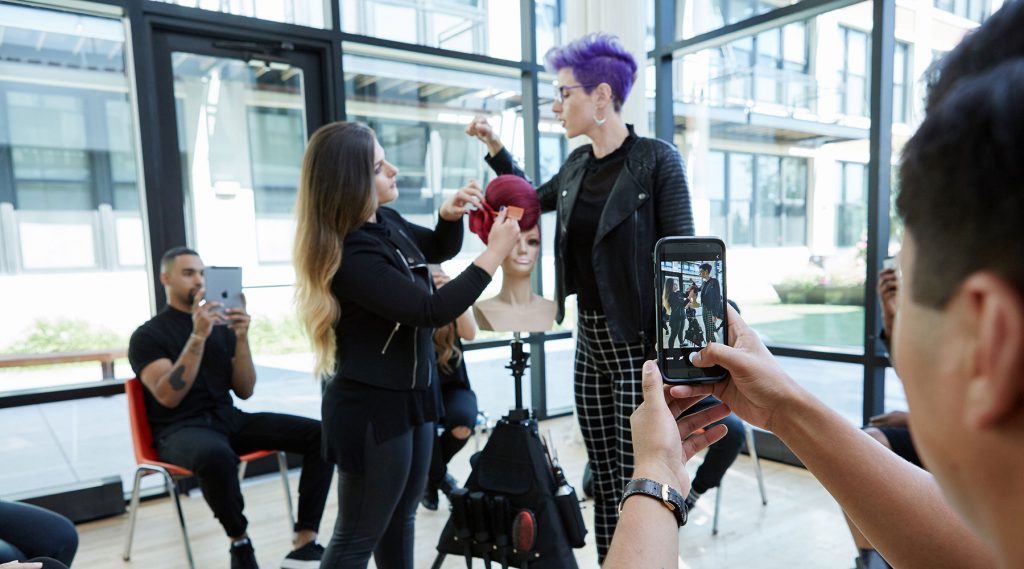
[460,202]
[482,129]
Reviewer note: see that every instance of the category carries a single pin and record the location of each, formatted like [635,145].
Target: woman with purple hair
[614,198]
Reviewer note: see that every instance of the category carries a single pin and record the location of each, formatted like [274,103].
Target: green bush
[65,335]
[279,336]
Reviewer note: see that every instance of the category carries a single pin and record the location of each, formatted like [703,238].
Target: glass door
[237,114]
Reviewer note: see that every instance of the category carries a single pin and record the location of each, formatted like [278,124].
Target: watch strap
[664,493]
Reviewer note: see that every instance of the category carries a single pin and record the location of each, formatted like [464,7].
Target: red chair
[149,463]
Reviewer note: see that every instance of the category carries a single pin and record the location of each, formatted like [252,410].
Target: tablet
[224,285]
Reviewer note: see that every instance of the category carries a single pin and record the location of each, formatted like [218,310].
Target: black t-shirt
[165,336]
[599,177]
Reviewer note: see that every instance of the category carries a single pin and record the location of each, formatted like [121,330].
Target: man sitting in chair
[190,357]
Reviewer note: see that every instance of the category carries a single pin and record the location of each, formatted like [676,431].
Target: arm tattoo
[176,382]
[196,348]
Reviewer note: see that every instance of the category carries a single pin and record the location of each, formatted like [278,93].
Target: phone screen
[691,305]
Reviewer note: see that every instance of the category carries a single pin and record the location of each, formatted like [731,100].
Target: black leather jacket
[650,200]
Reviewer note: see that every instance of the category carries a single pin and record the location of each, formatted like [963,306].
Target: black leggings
[377,509]
[460,410]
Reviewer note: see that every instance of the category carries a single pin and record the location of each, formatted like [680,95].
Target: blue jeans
[28,531]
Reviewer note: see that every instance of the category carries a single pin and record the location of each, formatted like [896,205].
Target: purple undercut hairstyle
[595,59]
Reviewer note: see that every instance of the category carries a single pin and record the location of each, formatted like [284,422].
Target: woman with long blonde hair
[366,299]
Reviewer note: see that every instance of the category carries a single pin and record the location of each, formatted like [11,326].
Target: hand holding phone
[691,298]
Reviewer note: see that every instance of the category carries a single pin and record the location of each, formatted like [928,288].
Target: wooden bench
[105,357]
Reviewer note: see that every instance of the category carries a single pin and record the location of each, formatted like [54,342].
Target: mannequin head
[523,257]
[506,191]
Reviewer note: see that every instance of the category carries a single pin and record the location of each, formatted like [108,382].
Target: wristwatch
[662,492]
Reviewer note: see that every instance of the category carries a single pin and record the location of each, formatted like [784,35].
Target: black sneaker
[306,557]
[243,556]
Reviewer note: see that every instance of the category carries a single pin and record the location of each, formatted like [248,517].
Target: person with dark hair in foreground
[28,531]
[958,346]
[191,358]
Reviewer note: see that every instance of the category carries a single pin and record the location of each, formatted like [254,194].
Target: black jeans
[460,410]
[377,509]
[28,531]
[720,455]
[210,449]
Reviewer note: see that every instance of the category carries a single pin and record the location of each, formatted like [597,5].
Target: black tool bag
[513,465]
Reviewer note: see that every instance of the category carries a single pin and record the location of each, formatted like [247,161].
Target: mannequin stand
[511,476]
[517,365]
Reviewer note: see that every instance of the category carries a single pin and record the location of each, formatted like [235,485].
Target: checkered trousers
[608,387]
[709,327]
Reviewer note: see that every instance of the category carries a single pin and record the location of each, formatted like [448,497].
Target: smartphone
[689,274]
[889,263]
[223,285]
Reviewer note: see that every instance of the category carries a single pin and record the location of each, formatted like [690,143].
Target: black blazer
[711,297]
[389,307]
[650,200]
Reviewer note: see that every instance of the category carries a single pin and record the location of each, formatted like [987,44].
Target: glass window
[69,201]
[470,26]
[419,108]
[770,68]
[900,83]
[695,17]
[853,75]
[767,181]
[975,10]
[550,28]
[766,197]
[740,191]
[313,13]
[851,208]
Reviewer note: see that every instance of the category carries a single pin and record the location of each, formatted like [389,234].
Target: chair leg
[282,463]
[718,507]
[139,473]
[752,449]
[181,518]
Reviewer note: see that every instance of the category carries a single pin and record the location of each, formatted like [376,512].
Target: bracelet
[664,493]
[198,337]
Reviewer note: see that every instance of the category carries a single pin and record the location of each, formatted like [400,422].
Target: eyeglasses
[562,92]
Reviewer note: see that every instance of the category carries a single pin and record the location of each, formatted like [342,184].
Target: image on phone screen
[691,308]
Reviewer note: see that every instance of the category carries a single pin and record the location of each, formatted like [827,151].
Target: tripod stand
[513,509]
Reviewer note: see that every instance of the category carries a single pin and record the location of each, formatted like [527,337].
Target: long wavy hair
[665,292]
[336,196]
[446,348]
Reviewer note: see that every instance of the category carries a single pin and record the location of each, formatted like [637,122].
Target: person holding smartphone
[613,198]
[368,303]
[957,338]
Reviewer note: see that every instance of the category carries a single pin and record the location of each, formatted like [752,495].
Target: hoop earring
[598,121]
